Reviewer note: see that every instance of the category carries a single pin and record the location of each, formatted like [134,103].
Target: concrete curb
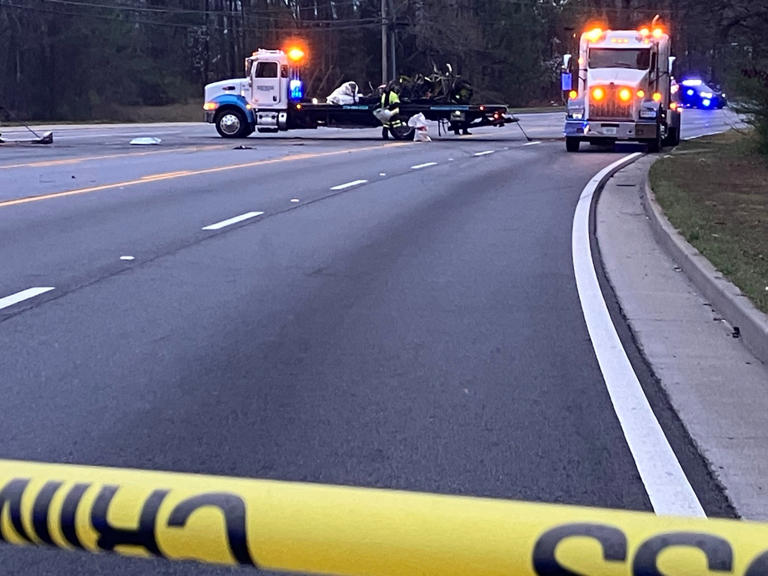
[735,307]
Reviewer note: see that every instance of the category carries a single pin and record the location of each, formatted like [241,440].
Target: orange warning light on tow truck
[295,54]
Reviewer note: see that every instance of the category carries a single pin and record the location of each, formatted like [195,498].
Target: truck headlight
[575,109]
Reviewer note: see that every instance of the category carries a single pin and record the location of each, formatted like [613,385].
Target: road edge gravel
[749,323]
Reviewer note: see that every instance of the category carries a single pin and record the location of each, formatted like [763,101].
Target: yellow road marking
[77,160]
[182,174]
[166,175]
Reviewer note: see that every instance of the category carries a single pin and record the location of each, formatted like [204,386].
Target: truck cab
[258,101]
[622,90]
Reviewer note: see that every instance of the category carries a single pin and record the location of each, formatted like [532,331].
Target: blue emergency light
[296,89]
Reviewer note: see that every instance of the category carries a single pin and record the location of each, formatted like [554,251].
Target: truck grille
[610,107]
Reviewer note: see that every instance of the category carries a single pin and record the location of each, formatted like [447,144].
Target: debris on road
[145,141]
[46,138]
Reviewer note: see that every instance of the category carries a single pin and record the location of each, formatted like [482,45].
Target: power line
[313,25]
[172,10]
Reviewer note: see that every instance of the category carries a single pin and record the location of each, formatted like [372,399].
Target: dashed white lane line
[665,482]
[349,184]
[295,200]
[230,221]
[127,258]
[532,143]
[24,295]
[484,153]
[425,165]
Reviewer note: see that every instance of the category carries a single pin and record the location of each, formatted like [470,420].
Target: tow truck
[270,98]
[622,90]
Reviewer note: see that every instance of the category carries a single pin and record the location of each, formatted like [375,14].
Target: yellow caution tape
[310,528]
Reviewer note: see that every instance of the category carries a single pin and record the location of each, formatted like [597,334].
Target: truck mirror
[671,60]
[567,61]
[566,81]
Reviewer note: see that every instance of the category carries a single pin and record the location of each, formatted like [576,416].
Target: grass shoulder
[714,190]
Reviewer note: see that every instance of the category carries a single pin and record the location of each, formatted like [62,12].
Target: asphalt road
[399,315]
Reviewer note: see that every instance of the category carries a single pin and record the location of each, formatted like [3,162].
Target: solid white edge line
[425,165]
[24,295]
[230,221]
[484,153]
[532,143]
[665,482]
[349,184]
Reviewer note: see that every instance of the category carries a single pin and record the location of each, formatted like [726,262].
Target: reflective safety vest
[390,100]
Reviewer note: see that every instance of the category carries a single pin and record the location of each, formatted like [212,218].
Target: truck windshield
[638,59]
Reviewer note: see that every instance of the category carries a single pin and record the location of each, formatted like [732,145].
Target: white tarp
[345,94]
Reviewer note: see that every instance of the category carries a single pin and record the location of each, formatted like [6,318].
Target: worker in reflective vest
[390,100]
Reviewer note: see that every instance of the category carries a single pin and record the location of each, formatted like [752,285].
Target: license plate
[609,130]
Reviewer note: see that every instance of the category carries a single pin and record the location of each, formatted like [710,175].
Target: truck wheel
[231,123]
[572,144]
[673,137]
[655,144]
[402,132]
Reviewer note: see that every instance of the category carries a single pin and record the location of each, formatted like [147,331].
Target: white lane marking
[349,184]
[532,143]
[425,165]
[382,173]
[24,295]
[665,482]
[127,258]
[484,153]
[230,221]
[295,200]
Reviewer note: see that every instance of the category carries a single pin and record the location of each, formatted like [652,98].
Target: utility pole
[392,41]
[384,43]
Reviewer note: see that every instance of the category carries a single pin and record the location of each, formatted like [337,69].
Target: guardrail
[311,528]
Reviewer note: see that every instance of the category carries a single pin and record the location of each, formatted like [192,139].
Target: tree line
[74,59]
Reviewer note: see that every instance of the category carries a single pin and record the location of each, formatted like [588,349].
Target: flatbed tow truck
[271,99]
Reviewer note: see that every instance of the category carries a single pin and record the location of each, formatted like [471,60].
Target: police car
[694,93]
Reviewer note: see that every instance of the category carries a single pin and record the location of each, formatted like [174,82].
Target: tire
[655,144]
[572,144]
[402,132]
[232,123]
[673,137]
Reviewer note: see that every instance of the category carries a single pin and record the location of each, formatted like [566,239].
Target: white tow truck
[621,89]
[270,98]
